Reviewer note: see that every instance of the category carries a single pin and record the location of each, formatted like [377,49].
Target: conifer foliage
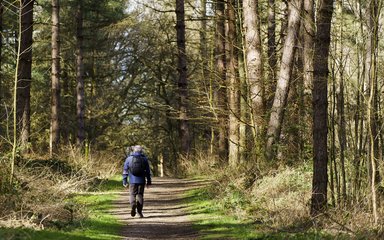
[253,84]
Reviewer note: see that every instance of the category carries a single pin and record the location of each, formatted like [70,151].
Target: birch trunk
[253,61]
[308,35]
[55,75]
[282,89]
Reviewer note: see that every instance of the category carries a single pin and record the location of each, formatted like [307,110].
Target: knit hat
[137,148]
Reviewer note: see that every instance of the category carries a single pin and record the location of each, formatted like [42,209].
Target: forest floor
[165,211]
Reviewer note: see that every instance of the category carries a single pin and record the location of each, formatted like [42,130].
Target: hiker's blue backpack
[137,166]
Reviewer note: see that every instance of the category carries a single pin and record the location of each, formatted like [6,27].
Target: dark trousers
[136,198]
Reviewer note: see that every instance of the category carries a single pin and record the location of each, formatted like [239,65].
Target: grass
[99,225]
[214,222]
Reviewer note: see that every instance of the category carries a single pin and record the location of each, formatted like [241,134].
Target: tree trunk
[1,69]
[320,106]
[206,77]
[65,103]
[282,89]
[234,86]
[1,58]
[203,40]
[220,65]
[342,139]
[340,110]
[272,58]
[334,171]
[296,119]
[24,74]
[360,111]
[308,35]
[182,82]
[308,32]
[372,102]
[80,103]
[253,63]
[14,97]
[55,106]
[244,109]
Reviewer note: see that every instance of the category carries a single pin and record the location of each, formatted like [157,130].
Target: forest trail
[165,215]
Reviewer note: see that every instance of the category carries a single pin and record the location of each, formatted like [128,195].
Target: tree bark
[320,106]
[55,75]
[182,82]
[24,74]
[296,118]
[272,58]
[253,61]
[341,111]
[308,35]
[308,32]
[1,69]
[206,77]
[342,138]
[80,103]
[372,102]
[1,58]
[360,111]
[234,86]
[220,65]
[282,89]
[203,40]
[244,109]
[333,167]
[65,106]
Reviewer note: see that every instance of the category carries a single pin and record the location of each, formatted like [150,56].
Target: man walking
[137,168]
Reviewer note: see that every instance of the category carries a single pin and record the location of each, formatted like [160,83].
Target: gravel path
[164,212]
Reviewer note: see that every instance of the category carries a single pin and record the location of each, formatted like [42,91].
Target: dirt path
[164,212]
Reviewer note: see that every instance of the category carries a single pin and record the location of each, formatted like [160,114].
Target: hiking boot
[139,209]
[141,215]
[133,211]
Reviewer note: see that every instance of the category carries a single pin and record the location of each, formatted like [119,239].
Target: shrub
[43,188]
[282,198]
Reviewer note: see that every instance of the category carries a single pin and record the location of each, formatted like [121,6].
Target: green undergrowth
[212,218]
[98,223]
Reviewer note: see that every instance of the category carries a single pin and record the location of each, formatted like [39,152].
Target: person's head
[137,149]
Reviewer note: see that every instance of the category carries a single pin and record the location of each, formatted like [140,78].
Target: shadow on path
[164,211]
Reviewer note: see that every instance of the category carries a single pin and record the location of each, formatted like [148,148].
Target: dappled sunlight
[165,211]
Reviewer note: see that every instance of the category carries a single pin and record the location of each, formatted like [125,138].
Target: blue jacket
[134,179]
